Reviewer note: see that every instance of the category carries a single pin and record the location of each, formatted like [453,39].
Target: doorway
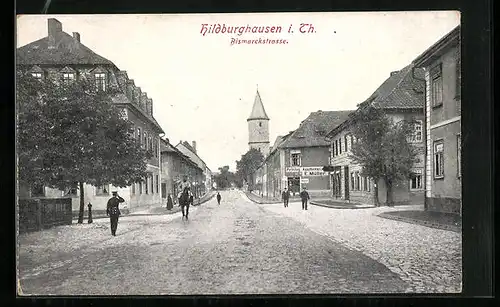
[346,182]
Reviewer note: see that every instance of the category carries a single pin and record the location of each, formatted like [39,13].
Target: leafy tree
[225,178]
[247,165]
[381,147]
[71,134]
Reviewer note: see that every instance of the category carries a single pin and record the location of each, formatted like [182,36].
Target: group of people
[304,196]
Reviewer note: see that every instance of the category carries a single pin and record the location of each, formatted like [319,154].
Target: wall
[258,136]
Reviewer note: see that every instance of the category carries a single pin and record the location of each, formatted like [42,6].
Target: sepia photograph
[239,154]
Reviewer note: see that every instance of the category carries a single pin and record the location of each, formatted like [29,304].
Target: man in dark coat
[305,197]
[170,203]
[113,211]
[218,198]
[285,196]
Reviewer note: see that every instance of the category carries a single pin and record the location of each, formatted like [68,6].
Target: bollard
[90,213]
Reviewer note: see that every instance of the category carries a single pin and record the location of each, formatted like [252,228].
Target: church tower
[258,127]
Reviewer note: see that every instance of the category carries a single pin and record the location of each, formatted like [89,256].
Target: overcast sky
[203,88]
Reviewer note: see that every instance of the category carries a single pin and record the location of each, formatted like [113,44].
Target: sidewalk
[439,220]
[338,204]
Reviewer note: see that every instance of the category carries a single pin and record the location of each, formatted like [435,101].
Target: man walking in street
[285,196]
[305,197]
[113,211]
[218,198]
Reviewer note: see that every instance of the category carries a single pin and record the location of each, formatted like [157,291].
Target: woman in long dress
[170,203]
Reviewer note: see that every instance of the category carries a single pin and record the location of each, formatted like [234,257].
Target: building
[174,166]
[401,96]
[297,159]
[201,181]
[441,63]
[61,57]
[258,127]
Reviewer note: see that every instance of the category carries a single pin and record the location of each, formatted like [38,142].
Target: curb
[262,202]
[420,222]
[340,207]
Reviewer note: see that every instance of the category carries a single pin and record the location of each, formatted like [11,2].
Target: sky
[203,88]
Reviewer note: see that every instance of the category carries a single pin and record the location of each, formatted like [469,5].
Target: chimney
[55,31]
[144,101]
[76,36]
[150,106]
[194,146]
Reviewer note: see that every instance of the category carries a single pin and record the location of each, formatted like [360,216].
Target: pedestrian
[113,211]
[170,203]
[285,196]
[218,198]
[90,213]
[305,197]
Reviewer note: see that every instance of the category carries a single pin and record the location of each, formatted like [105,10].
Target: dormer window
[100,81]
[37,75]
[68,77]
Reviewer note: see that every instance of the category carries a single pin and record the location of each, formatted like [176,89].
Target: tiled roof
[313,130]
[401,90]
[258,111]
[187,150]
[67,50]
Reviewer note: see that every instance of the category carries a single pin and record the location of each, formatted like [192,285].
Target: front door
[346,182]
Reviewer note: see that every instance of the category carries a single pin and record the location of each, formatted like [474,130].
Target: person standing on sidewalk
[113,211]
[305,197]
[170,203]
[218,198]
[285,196]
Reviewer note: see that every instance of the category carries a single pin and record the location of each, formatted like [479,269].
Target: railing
[41,213]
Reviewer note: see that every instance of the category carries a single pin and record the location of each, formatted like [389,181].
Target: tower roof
[258,111]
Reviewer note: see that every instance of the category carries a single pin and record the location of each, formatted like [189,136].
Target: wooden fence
[40,213]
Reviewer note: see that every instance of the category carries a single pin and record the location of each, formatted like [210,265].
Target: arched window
[260,124]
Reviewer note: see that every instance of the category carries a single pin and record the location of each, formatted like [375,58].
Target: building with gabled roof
[296,159]
[61,58]
[401,96]
[443,178]
[202,182]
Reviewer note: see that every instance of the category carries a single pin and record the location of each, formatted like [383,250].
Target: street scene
[206,170]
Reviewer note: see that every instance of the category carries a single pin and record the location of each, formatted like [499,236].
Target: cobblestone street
[234,248]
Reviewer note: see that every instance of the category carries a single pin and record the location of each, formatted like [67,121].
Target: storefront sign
[304,180]
[292,171]
[309,171]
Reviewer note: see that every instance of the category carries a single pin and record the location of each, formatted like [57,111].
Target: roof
[165,146]
[401,90]
[449,40]
[187,150]
[313,130]
[68,50]
[277,142]
[258,111]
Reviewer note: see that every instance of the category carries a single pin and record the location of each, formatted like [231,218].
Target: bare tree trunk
[377,202]
[389,201]
[82,204]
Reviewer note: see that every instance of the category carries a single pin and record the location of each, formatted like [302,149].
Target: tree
[248,164]
[381,147]
[70,135]
[225,178]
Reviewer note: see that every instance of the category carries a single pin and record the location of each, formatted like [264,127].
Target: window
[133,188]
[100,81]
[157,184]
[152,183]
[37,75]
[295,159]
[352,180]
[357,181]
[416,178]
[459,154]
[340,146]
[140,187]
[436,86]
[369,184]
[68,77]
[139,134]
[438,159]
[365,183]
[37,190]
[146,186]
[102,189]
[336,147]
[417,134]
[260,124]
[151,143]
[145,142]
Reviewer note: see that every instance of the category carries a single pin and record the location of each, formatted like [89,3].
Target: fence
[40,213]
